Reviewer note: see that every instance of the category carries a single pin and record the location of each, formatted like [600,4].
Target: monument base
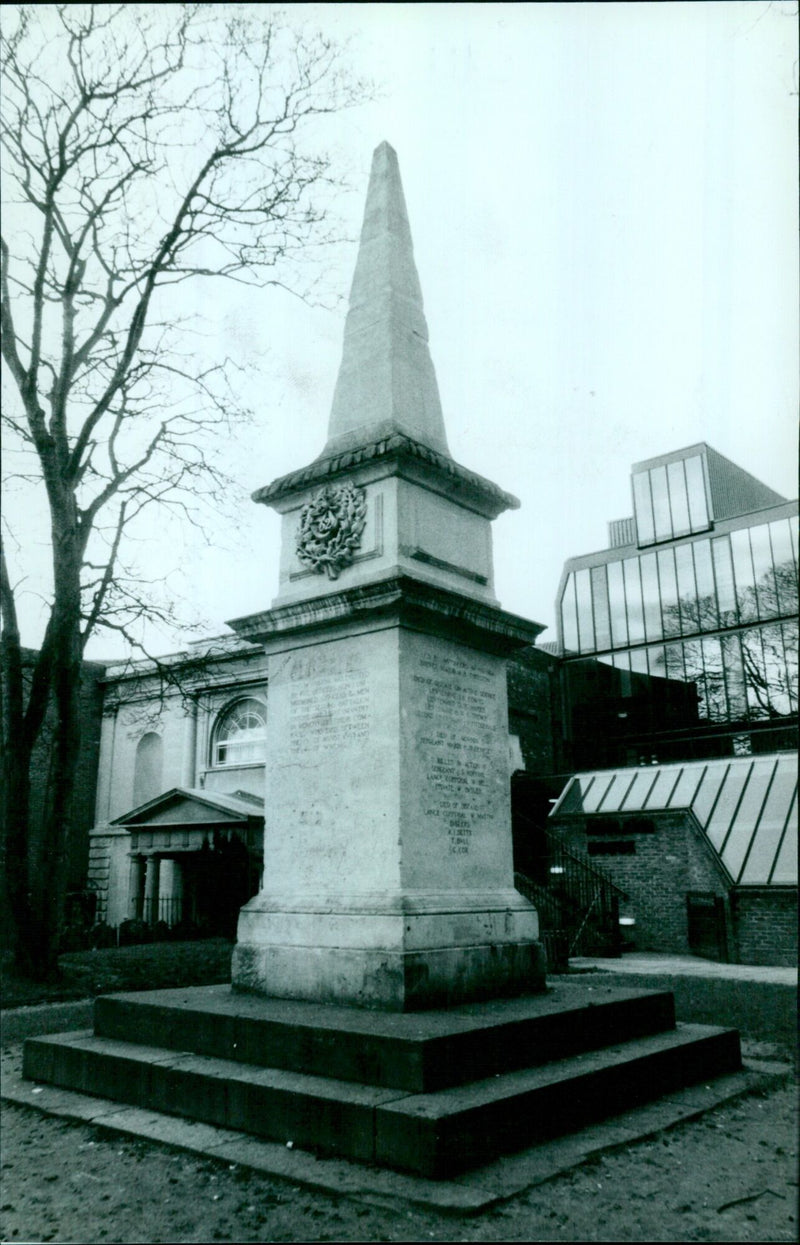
[395,953]
[434,1093]
[390,980]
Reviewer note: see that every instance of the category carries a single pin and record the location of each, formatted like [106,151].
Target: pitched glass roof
[746,807]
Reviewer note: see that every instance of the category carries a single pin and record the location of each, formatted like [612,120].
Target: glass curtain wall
[668,600]
[670,501]
[746,576]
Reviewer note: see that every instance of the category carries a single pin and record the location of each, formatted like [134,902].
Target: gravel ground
[730,1176]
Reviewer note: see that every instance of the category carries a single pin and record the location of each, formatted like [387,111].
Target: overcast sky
[603,205]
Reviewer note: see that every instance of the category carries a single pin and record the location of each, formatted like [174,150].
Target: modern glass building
[680,639]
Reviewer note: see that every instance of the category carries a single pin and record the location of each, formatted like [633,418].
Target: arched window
[240,736]
[147,768]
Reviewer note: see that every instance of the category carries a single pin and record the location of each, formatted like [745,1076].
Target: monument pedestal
[388,870]
[391,952]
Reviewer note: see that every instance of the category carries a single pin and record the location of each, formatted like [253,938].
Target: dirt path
[731,1176]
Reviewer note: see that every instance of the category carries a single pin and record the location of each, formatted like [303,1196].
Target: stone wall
[109,874]
[124,726]
[766,925]
[183,718]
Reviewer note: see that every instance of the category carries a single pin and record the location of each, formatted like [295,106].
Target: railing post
[616,944]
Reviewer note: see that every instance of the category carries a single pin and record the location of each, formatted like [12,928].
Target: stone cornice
[466,486]
[399,601]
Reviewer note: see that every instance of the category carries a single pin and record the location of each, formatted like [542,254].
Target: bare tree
[144,147]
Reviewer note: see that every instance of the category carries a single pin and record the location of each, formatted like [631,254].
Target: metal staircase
[578,904]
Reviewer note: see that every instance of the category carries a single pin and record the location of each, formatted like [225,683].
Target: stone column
[151,884]
[105,767]
[190,746]
[137,887]
[170,890]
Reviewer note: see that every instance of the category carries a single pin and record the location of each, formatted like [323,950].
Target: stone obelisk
[388,874]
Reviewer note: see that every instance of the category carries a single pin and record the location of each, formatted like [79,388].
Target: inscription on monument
[458,712]
[328,702]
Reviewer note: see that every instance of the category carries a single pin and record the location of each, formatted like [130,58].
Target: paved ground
[686,966]
[760,1002]
[473,1190]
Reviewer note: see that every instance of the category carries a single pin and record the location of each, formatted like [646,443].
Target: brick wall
[766,925]
[657,875]
[761,922]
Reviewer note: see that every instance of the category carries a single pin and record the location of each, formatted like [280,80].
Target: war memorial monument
[388,873]
[388,1002]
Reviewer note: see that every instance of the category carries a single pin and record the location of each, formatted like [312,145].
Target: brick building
[705,851]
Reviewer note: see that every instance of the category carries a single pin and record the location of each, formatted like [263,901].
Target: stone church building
[180,793]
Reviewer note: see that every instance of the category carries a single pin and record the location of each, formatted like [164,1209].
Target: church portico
[188,856]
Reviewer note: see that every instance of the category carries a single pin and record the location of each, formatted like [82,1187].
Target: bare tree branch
[144,147]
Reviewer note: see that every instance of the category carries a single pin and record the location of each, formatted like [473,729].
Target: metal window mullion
[791,687]
[646,476]
[784,832]
[693,586]
[735,812]
[669,503]
[758,822]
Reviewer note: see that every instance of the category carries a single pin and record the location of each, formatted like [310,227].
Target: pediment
[184,807]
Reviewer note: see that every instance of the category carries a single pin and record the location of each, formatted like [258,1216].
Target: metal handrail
[555,843]
[577,901]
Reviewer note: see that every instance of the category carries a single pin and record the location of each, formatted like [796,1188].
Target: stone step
[438,1135]
[418,1052]
[431,1134]
[313,1113]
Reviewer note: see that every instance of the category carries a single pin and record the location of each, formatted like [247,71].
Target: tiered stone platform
[432,1093]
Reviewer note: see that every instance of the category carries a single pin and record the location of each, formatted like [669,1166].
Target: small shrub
[134,932]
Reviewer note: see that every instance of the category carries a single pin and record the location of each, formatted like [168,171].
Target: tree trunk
[35,855]
[15,824]
[50,862]
[15,758]
[35,861]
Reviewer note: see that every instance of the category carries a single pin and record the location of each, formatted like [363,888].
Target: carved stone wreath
[331,525]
